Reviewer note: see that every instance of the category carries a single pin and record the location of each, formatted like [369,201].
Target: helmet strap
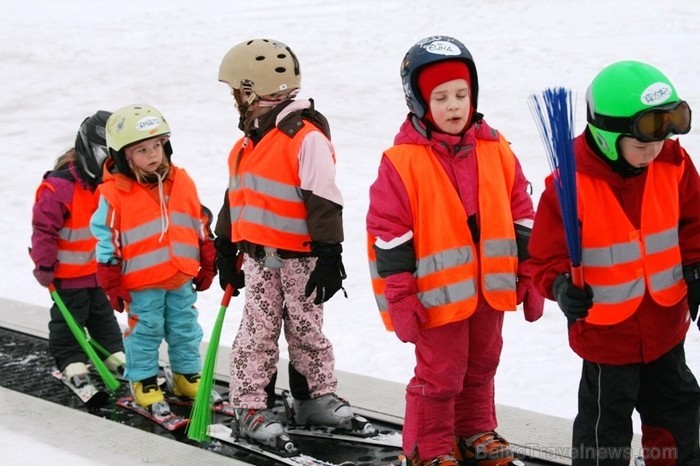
[620,166]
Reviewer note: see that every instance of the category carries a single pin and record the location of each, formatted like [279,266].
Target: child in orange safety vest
[639,216]
[63,251]
[448,223]
[283,214]
[154,251]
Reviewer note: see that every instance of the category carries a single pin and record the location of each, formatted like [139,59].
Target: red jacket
[653,329]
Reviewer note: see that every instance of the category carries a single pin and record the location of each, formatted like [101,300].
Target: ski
[169,421]
[383,438]
[218,404]
[295,458]
[360,429]
[88,393]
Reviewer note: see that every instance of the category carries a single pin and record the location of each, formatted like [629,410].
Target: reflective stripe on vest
[150,255]
[446,268]
[265,199]
[76,245]
[622,263]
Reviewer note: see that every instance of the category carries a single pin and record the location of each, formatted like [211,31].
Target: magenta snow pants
[274,298]
[452,391]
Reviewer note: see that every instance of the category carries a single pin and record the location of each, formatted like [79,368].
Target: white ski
[387,439]
[88,393]
[360,429]
[223,433]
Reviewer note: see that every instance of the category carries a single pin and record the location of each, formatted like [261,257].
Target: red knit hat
[435,74]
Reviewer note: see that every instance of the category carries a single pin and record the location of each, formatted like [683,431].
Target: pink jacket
[390,219]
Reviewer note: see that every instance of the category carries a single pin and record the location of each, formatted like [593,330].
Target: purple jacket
[48,216]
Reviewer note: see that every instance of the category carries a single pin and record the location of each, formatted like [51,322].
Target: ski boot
[442,460]
[185,385]
[116,363]
[484,449]
[76,374]
[148,395]
[327,410]
[264,427]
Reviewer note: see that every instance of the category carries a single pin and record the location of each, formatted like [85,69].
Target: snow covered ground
[61,61]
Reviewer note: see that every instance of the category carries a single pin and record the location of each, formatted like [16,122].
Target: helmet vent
[280,70]
[260,58]
[281,56]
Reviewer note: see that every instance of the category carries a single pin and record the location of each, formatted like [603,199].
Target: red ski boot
[442,460]
[483,449]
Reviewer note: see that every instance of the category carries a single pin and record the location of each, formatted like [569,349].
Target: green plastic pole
[107,377]
[200,417]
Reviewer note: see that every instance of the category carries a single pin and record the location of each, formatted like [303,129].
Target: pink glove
[207,268]
[527,295]
[407,313]
[110,279]
[533,305]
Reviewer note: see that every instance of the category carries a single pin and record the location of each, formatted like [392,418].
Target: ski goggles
[654,124]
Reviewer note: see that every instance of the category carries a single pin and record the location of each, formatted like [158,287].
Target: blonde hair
[143,177]
[162,170]
[68,156]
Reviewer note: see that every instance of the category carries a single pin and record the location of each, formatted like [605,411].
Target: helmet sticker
[148,123]
[656,94]
[442,47]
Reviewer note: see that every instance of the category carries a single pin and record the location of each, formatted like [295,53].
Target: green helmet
[619,93]
[133,124]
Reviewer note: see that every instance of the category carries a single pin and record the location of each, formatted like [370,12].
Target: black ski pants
[667,397]
[91,310]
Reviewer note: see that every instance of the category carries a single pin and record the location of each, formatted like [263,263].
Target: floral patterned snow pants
[274,297]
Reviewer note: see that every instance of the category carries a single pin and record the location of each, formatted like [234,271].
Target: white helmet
[263,67]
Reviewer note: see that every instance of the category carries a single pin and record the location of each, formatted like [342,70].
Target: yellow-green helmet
[130,125]
[624,91]
[263,66]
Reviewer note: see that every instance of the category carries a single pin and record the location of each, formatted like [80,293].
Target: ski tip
[98,399]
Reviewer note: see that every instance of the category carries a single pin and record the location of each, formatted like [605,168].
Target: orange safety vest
[147,258]
[76,245]
[620,262]
[266,203]
[446,264]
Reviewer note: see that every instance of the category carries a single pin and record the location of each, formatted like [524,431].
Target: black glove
[227,263]
[329,273]
[692,278]
[573,301]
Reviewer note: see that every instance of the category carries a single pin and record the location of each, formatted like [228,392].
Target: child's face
[147,155]
[639,154]
[450,106]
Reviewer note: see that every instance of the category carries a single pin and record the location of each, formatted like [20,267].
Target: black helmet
[427,51]
[91,147]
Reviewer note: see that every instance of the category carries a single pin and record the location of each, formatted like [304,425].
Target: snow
[18,448]
[61,61]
